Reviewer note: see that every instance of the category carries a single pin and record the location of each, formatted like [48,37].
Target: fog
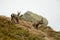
[49,9]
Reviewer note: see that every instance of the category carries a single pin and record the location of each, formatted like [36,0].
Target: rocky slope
[25,31]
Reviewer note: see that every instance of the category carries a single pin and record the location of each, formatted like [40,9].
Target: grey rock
[32,17]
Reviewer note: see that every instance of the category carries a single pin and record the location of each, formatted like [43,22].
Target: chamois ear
[19,13]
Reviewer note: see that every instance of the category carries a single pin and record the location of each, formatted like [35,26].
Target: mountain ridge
[25,31]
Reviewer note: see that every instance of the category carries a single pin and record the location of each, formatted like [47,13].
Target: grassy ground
[25,31]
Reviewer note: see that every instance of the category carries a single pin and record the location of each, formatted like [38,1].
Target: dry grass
[24,31]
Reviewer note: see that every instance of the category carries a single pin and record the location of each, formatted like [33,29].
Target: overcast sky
[49,9]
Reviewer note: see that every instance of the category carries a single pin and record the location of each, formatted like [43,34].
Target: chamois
[36,24]
[15,17]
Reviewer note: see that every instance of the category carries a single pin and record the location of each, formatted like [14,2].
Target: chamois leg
[17,20]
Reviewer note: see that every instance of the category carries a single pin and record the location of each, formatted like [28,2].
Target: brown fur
[15,17]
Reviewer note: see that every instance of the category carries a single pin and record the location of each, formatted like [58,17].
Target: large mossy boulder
[32,17]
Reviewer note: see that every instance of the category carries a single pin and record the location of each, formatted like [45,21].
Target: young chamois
[15,17]
[36,24]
